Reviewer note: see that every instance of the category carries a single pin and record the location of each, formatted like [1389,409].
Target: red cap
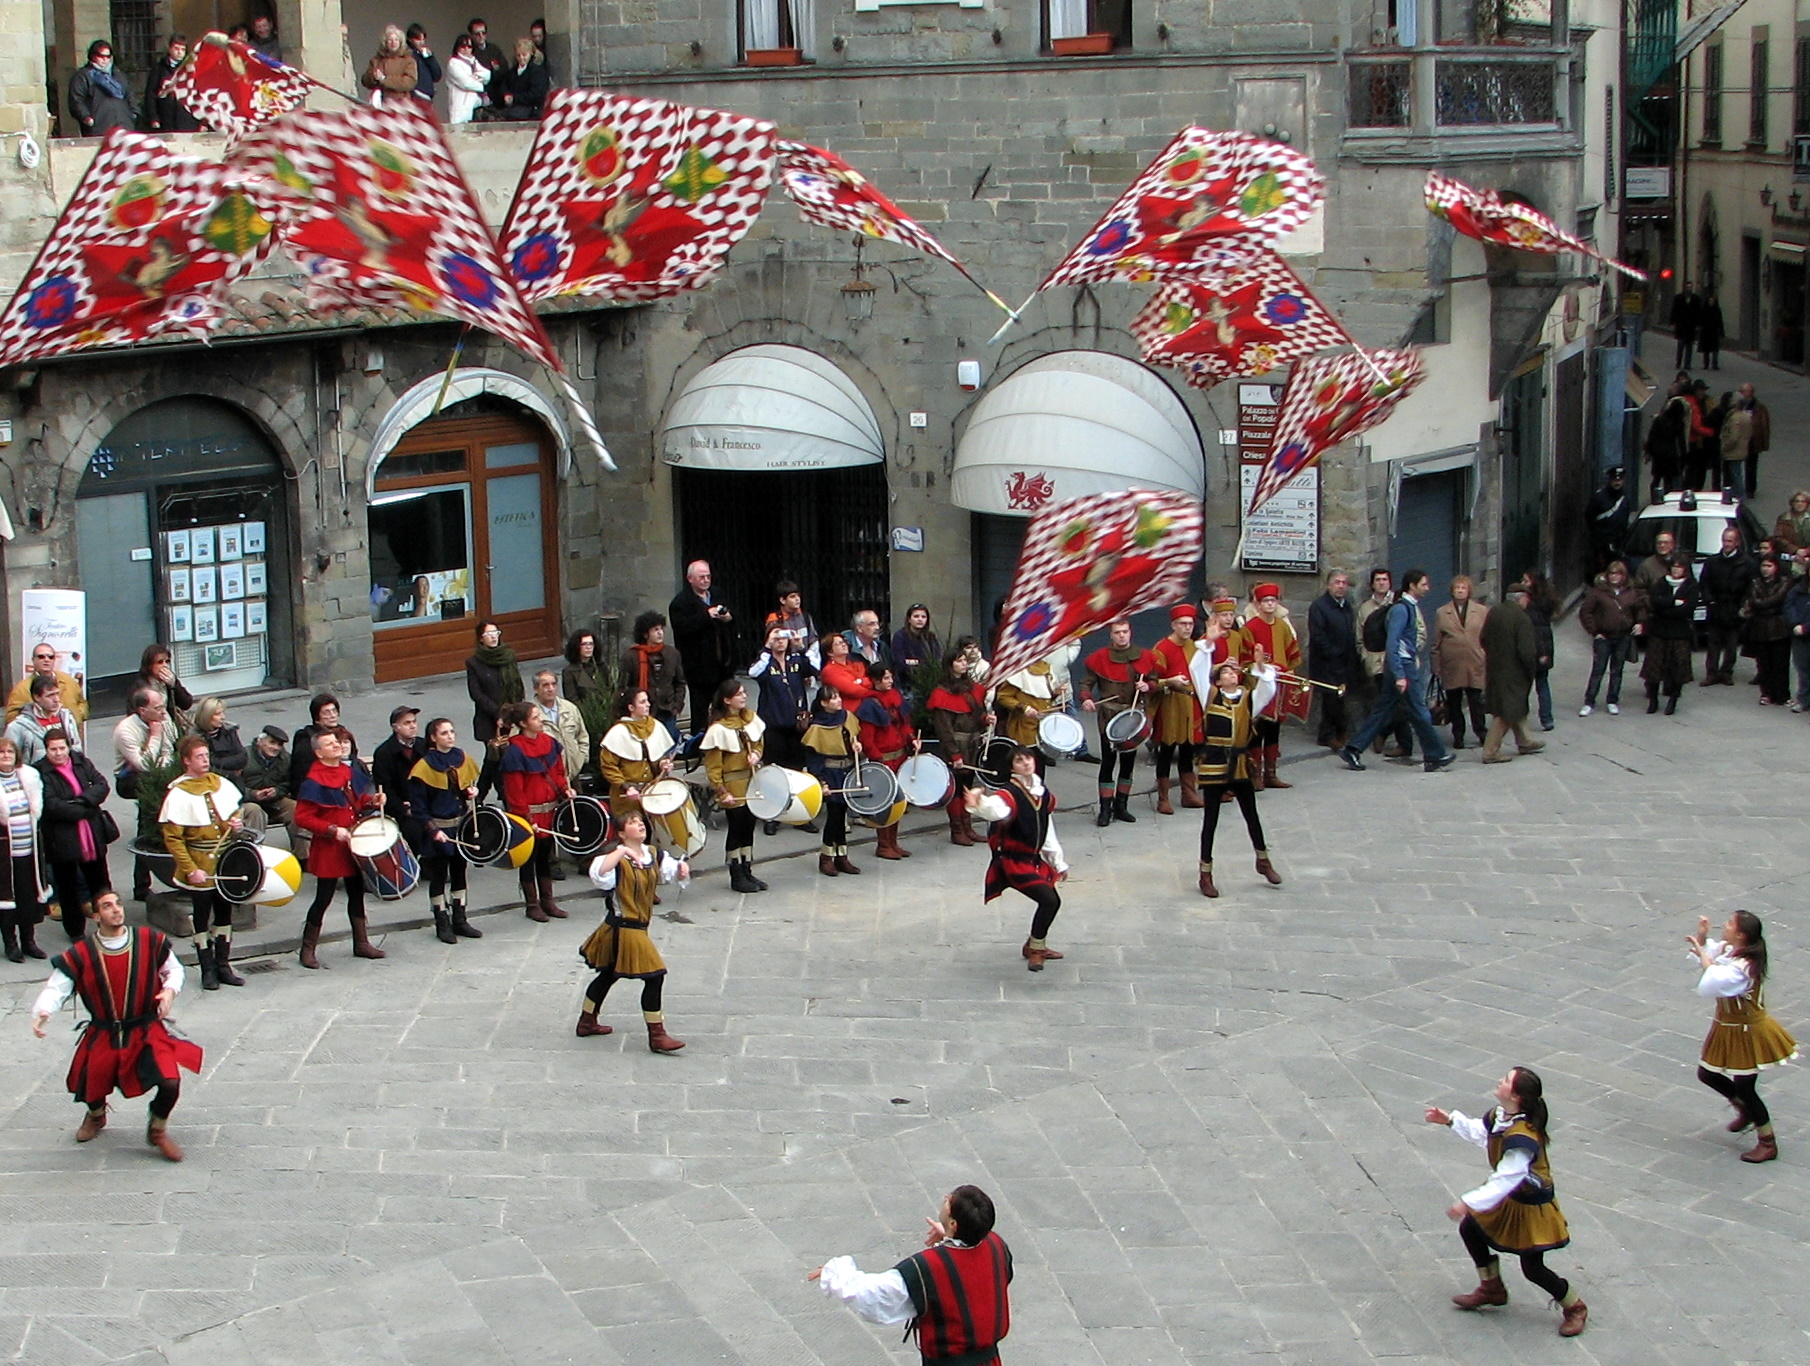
[1180,610]
[1265,590]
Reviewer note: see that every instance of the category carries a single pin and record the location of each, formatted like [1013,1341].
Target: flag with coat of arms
[1489,217]
[1087,561]
[233,88]
[147,247]
[634,199]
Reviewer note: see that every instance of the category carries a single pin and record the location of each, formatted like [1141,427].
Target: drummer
[200,809]
[832,743]
[333,796]
[1177,722]
[442,785]
[1026,698]
[888,736]
[634,752]
[732,751]
[534,783]
[1118,678]
[958,713]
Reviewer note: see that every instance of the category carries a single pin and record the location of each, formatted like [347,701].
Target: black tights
[739,837]
[1266,731]
[1049,901]
[540,863]
[651,988]
[1246,797]
[1182,755]
[210,911]
[445,869]
[323,897]
[835,826]
[1533,1264]
[1125,760]
[1743,1091]
[163,1100]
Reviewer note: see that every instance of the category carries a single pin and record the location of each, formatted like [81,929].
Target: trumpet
[1298,681]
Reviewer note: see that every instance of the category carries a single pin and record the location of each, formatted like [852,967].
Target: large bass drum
[581,825]
[483,836]
[873,797]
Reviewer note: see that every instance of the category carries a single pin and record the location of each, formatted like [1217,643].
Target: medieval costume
[437,785]
[732,750]
[195,815]
[1026,698]
[887,737]
[958,714]
[829,743]
[1112,680]
[954,1297]
[1176,723]
[1027,856]
[630,757]
[534,784]
[1743,1039]
[620,947]
[334,797]
[1225,762]
[1275,636]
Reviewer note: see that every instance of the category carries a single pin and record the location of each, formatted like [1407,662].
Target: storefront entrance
[462,521]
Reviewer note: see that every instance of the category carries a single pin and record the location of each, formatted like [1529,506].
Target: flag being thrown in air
[634,199]
[1089,560]
[1247,321]
[147,248]
[1207,202]
[233,88]
[1488,217]
[1330,399]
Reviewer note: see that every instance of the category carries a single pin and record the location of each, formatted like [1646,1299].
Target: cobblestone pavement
[1203,1127]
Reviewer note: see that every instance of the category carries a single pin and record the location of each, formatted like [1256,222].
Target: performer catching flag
[620,947]
[1026,853]
[1744,1037]
[1223,758]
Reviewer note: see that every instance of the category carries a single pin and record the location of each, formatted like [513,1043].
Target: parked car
[1697,521]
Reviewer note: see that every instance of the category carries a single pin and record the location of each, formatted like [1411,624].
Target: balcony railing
[1382,94]
[1431,89]
[1471,92]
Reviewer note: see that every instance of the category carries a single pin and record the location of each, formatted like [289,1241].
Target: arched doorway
[462,524]
[182,536]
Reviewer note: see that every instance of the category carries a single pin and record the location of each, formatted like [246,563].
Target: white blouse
[995,808]
[605,881]
[1727,976]
[1510,1172]
[61,986]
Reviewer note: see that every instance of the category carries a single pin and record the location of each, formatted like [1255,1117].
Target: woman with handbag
[77,829]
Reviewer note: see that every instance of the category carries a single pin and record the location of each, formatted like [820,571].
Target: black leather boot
[1120,809]
[210,979]
[461,925]
[223,962]
[443,930]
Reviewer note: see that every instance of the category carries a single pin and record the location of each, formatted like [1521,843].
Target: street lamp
[1766,197]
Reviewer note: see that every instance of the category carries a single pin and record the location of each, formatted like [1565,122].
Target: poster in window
[182,623]
[251,538]
[176,547]
[221,657]
[206,584]
[232,621]
[255,580]
[207,624]
[232,581]
[230,541]
[256,624]
[201,545]
[179,585]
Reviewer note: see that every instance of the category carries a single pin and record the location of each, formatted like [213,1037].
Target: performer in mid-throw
[1743,1037]
[442,786]
[620,947]
[1027,856]
[1224,760]
[127,977]
[1516,1210]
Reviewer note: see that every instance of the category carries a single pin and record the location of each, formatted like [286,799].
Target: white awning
[421,401]
[771,407]
[1074,423]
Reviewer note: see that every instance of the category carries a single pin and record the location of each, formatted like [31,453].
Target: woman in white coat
[23,887]
[466,79]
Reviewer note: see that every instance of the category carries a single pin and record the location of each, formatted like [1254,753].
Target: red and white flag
[1330,399]
[147,247]
[1207,202]
[381,213]
[1089,560]
[233,88]
[830,192]
[1247,321]
[634,199]
[1488,217]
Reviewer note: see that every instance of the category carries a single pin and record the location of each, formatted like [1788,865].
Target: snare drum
[670,802]
[581,825]
[1060,735]
[664,797]
[483,836]
[925,780]
[257,874]
[389,866]
[1128,729]
[873,797]
[784,795]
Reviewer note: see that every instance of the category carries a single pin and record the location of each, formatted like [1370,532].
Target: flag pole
[1012,315]
[451,365]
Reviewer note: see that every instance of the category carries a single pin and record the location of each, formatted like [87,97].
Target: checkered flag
[831,193]
[381,214]
[1330,399]
[1206,202]
[147,247]
[233,88]
[1247,321]
[634,199]
[1087,561]
[1488,217]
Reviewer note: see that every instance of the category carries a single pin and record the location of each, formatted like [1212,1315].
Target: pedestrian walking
[1669,622]
[1686,310]
[1511,651]
[1332,655]
[1767,633]
[1405,688]
[1027,856]
[1744,1037]
[1458,659]
[1373,638]
[1723,581]
[1543,604]
[1608,515]
[1797,617]
[1517,1210]
[621,946]
[1611,614]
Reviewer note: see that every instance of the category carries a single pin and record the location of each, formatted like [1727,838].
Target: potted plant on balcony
[1085,45]
[775,56]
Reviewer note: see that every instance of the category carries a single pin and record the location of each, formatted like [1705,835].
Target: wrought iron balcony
[1469,91]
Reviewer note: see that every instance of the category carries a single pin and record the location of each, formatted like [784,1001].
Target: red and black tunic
[963,1309]
[124,1045]
[886,729]
[1017,842]
[332,797]
[534,778]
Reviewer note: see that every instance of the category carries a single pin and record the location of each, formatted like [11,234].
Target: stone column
[310,31]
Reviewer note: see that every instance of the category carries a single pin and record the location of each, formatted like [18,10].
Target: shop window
[421,555]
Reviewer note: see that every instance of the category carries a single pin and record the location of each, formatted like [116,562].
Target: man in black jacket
[1607,517]
[1686,310]
[390,766]
[165,112]
[704,632]
[1724,580]
[1332,653]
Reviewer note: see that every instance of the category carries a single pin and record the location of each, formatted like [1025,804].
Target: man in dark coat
[1724,579]
[1686,310]
[166,113]
[98,99]
[1607,516]
[1761,439]
[390,767]
[1332,653]
[1513,658]
[704,632]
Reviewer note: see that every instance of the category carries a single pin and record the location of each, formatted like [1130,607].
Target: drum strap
[542,808]
[449,823]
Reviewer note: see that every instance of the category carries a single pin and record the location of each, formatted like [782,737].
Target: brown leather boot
[548,905]
[958,824]
[1206,881]
[531,898]
[362,947]
[588,1027]
[1191,798]
[1765,1149]
[826,864]
[158,1136]
[1163,808]
[968,827]
[886,843]
[92,1123]
[1575,1317]
[844,866]
[1253,763]
[659,1041]
[1047,951]
[1741,1122]
[1272,755]
[1489,1291]
[311,938]
[1268,870]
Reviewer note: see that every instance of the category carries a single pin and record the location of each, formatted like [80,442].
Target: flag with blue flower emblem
[1330,399]
[147,247]
[233,88]
[634,199]
[1488,217]
[1247,321]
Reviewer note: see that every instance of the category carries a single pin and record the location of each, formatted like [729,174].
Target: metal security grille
[825,530]
[1490,92]
[1381,95]
[134,36]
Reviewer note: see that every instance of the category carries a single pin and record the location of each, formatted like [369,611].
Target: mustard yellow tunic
[732,750]
[193,819]
[1515,1225]
[1036,687]
[621,943]
[1744,1037]
[629,756]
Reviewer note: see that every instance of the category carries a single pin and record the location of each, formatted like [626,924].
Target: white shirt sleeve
[171,975]
[604,881]
[1727,976]
[1470,1130]
[669,867]
[993,807]
[1052,850]
[760,666]
[878,1298]
[1502,1182]
[1264,689]
[58,988]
